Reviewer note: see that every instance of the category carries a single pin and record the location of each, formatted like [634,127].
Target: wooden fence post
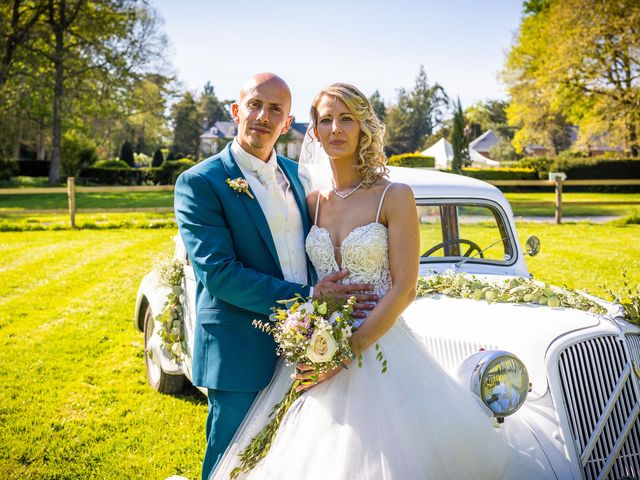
[558,200]
[71,194]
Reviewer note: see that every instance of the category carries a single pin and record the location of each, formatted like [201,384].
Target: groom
[242,216]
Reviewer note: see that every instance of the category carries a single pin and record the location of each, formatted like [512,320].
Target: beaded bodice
[365,252]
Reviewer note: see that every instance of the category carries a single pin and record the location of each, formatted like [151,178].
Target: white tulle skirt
[412,422]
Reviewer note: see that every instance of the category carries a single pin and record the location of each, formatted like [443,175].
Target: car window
[455,230]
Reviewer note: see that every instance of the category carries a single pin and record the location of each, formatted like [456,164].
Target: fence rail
[71,191]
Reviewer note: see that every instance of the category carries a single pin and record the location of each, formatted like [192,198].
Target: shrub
[158,158]
[141,160]
[113,163]
[598,168]
[78,152]
[501,173]
[126,153]
[33,168]
[541,165]
[8,168]
[169,171]
[414,160]
[119,176]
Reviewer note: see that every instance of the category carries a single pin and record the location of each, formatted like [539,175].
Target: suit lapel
[251,204]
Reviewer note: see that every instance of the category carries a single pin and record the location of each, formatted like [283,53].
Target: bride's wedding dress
[411,423]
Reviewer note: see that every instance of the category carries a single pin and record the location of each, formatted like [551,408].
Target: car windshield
[454,230]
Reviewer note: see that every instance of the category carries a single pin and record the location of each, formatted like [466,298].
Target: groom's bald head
[262,114]
[269,81]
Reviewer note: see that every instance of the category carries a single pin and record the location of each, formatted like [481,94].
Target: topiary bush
[158,158]
[126,153]
[113,163]
[414,160]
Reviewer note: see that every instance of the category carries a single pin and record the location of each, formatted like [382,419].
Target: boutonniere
[240,185]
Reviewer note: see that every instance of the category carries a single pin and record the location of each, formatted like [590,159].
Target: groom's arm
[208,241]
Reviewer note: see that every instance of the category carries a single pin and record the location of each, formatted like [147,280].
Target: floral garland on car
[522,290]
[171,317]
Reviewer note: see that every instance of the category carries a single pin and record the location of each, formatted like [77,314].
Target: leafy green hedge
[581,168]
[593,168]
[501,173]
[411,160]
[166,174]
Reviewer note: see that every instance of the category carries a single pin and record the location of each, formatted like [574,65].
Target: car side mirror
[532,246]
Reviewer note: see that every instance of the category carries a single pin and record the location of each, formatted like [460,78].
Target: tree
[416,114]
[85,53]
[459,142]
[211,108]
[378,105]
[492,115]
[187,127]
[568,67]
[126,153]
[158,158]
[147,123]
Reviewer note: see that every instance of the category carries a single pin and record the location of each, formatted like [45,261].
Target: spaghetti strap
[379,206]
[315,220]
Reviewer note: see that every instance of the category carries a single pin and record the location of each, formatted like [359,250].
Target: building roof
[221,129]
[300,127]
[484,142]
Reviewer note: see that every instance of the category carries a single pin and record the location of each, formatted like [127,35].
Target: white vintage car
[561,385]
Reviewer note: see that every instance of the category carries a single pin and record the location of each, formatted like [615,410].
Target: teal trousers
[226,412]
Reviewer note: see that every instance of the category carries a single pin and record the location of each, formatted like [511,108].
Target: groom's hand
[329,287]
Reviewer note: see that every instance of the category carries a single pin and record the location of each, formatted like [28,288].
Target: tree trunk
[632,137]
[58,92]
[41,144]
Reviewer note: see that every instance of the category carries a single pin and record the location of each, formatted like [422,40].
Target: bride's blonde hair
[371,158]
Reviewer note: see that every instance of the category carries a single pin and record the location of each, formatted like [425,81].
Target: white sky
[372,44]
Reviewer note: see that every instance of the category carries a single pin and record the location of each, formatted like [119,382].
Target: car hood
[455,328]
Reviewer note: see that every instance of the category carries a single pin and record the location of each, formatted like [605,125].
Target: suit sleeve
[209,244]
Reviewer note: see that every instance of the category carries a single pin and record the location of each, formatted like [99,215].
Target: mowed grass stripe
[27,256]
[60,270]
[103,420]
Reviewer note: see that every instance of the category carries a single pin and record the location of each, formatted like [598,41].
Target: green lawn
[74,401]
[165,199]
[579,210]
[47,201]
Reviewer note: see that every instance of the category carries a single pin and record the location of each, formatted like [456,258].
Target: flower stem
[261,443]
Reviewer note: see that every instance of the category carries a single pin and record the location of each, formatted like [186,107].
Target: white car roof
[427,183]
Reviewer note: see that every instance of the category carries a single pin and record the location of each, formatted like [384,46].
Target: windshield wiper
[465,260]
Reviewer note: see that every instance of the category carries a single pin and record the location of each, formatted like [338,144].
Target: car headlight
[501,381]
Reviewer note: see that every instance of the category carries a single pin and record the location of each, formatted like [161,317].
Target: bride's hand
[304,373]
[329,287]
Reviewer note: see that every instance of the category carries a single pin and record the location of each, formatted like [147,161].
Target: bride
[412,422]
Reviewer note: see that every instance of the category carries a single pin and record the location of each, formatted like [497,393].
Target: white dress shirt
[274,195]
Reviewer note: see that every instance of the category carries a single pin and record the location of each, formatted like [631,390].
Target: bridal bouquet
[313,332]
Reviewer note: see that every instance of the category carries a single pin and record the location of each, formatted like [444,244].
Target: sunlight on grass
[75,402]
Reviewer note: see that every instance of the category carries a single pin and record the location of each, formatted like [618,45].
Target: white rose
[322,347]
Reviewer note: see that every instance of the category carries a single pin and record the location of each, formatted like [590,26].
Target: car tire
[158,379]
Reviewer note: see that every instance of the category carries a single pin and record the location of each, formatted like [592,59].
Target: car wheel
[158,379]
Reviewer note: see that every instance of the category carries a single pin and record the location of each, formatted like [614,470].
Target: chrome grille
[602,405]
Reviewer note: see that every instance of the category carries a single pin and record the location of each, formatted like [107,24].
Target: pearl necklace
[345,195]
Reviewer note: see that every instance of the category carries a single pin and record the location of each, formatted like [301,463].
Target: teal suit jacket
[237,271]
